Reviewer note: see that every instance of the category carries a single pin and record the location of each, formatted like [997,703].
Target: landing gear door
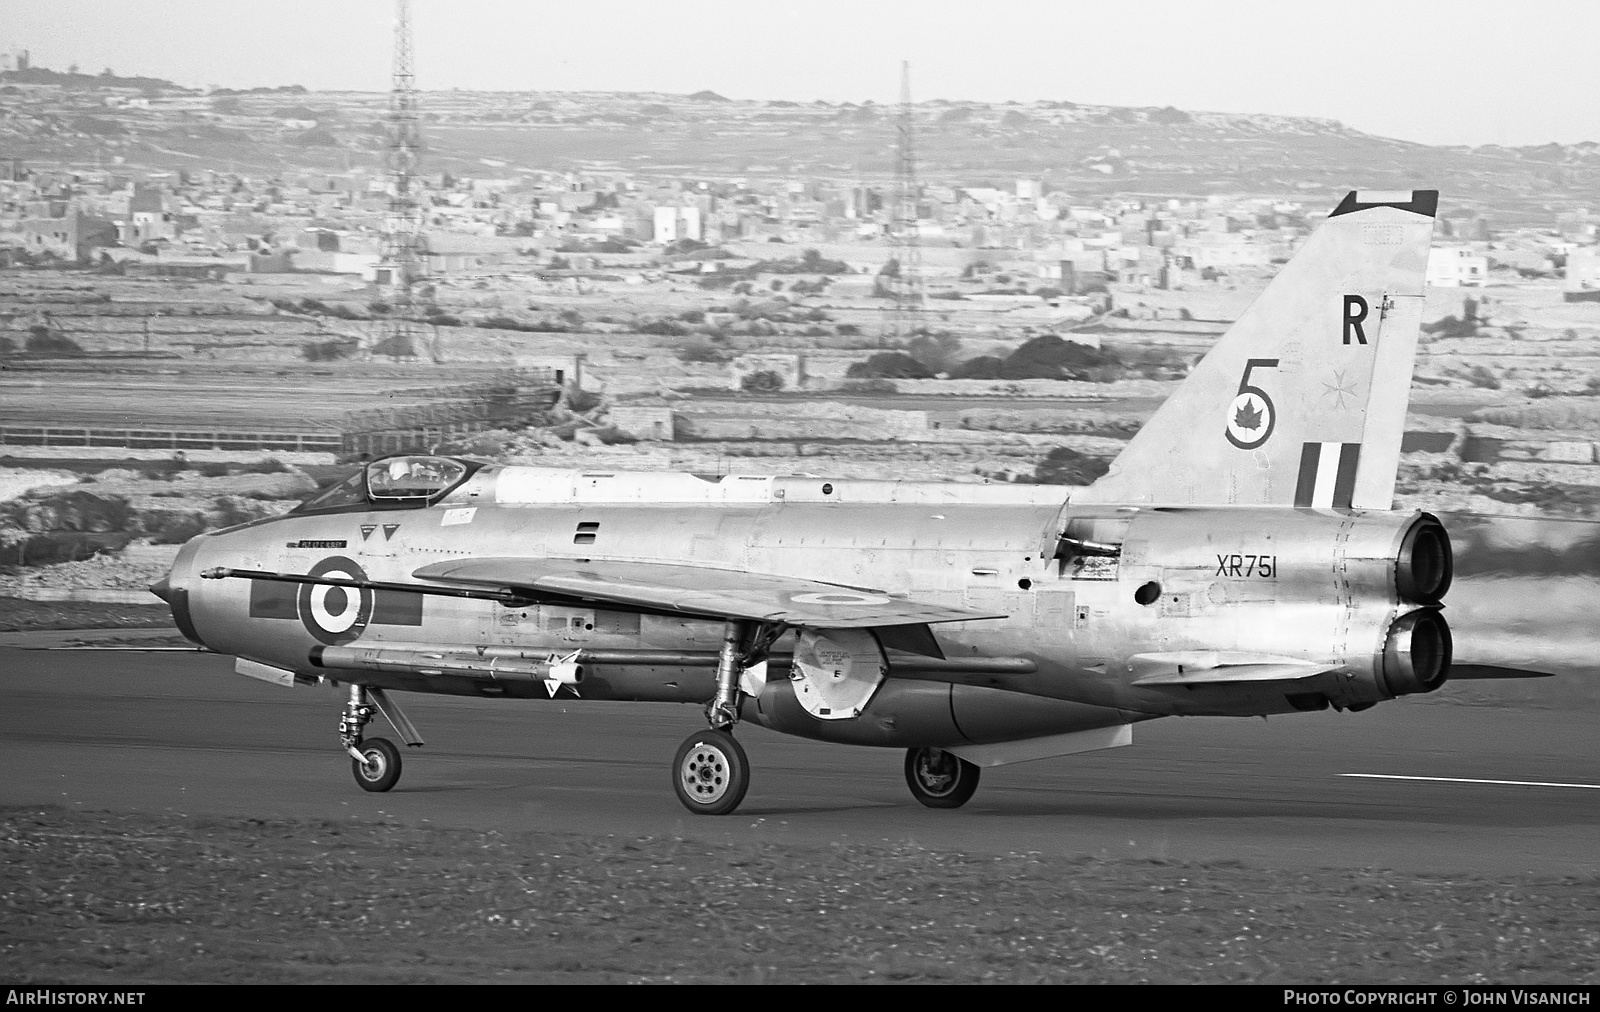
[836,672]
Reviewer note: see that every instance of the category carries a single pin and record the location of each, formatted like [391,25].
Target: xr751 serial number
[1264,566]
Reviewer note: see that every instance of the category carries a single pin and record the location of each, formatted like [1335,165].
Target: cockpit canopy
[403,482]
[413,477]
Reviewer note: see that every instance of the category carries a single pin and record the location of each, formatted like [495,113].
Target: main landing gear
[710,773]
[940,779]
[374,761]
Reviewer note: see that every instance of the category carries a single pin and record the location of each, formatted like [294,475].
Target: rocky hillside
[1086,150]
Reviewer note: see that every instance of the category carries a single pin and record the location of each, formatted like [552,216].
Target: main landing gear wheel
[710,773]
[940,779]
[378,769]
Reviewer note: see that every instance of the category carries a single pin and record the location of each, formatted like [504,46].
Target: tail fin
[1303,401]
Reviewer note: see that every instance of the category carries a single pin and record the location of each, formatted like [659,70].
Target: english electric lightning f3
[1241,557]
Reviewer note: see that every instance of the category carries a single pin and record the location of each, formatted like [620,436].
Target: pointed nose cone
[176,587]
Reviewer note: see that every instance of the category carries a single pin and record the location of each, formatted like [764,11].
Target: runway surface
[180,733]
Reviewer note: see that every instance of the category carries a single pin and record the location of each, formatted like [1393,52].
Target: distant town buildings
[979,238]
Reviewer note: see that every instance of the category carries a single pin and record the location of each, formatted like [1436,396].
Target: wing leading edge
[700,590]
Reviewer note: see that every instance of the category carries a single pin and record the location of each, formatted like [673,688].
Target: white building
[1456,267]
[1583,269]
[1223,249]
[674,223]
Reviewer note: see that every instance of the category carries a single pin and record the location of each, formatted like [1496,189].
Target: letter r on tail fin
[1303,401]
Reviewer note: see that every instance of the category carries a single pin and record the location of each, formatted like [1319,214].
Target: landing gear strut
[374,761]
[723,710]
[940,779]
[710,773]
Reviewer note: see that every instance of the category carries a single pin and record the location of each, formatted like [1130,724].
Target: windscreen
[352,491]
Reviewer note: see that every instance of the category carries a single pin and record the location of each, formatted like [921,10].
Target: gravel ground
[131,898]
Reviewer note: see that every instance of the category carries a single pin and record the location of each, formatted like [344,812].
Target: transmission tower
[404,245]
[903,234]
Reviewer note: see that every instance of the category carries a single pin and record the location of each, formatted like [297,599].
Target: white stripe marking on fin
[1327,476]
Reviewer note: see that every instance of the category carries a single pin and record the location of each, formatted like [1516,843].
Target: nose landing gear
[375,762]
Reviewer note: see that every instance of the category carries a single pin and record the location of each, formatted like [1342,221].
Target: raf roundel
[335,615]
[1251,417]
[839,597]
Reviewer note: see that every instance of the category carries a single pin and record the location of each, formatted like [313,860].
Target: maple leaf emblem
[1247,417]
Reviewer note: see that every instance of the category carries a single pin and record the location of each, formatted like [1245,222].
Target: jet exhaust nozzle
[1416,654]
[1426,564]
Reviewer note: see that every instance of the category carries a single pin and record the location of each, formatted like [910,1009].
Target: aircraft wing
[699,590]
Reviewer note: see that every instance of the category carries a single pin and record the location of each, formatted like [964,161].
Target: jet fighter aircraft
[1241,557]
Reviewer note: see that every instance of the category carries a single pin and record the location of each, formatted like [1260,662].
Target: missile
[425,661]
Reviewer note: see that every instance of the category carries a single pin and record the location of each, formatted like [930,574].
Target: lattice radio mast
[404,245]
[903,234]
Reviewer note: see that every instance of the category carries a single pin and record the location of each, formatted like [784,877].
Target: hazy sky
[1458,72]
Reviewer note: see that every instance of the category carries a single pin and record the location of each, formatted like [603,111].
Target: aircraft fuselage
[1095,599]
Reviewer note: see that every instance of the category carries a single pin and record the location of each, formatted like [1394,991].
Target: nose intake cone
[162,588]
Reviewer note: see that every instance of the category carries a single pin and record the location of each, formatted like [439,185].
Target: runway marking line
[1468,780]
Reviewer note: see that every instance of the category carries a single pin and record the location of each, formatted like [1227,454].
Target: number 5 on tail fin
[1303,401]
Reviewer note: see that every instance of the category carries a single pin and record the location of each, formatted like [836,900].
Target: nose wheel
[374,761]
[710,773]
[378,769]
[940,779]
